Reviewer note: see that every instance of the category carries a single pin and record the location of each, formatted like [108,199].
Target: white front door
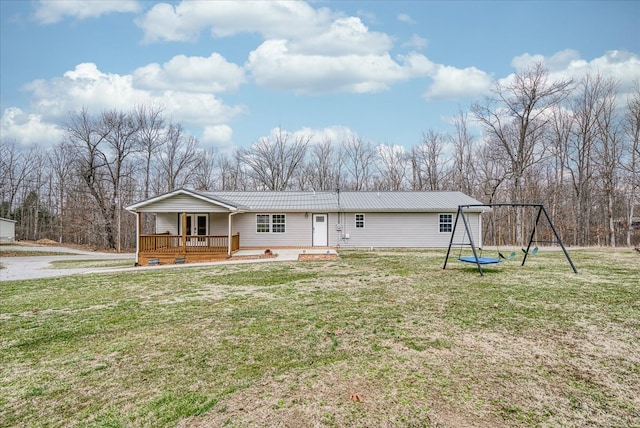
[197,229]
[320,230]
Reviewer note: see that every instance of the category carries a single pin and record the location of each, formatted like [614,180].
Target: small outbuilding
[7,230]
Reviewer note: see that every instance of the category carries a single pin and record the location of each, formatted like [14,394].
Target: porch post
[229,236]
[184,233]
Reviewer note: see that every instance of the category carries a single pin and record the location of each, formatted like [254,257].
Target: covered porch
[187,237]
[186,227]
[165,248]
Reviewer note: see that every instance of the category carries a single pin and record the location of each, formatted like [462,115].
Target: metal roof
[346,201]
[280,201]
[404,201]
[326,201]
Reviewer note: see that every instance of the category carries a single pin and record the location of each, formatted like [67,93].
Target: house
[7,230]
[198,226]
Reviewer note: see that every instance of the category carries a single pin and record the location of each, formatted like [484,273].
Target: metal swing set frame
[478,259]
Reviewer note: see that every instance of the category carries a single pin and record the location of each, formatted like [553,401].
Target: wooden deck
[170,249]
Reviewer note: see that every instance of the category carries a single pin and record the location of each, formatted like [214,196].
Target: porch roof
[205,198]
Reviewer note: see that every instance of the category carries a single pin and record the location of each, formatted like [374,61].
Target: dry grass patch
[289,344]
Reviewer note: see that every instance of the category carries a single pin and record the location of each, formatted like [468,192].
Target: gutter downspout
[138,224]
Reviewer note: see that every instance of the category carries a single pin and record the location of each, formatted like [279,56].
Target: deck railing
[194,244]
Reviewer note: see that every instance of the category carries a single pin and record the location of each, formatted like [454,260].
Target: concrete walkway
[33,267]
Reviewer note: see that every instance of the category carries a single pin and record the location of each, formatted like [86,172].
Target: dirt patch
[46,242]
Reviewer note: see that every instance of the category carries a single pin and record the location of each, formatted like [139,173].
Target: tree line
[572,145]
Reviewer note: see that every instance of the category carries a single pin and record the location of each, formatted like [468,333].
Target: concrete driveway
[33,267]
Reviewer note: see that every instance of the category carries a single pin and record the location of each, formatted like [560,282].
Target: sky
[232,72]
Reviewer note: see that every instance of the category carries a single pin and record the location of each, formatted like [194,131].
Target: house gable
[182,200]
[183,203]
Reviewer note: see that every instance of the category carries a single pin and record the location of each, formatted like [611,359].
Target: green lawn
[288,343]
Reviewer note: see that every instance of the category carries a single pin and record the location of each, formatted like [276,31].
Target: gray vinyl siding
[218,224]
[167,222]
[298,232]
[382,230]
[183,203]
[398,230]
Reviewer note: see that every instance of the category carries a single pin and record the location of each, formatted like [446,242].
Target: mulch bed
[256,257]
[316,257]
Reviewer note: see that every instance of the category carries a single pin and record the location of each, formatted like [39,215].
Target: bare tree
[393,166]
[15,168]
[204,175]
[359,157]
[272,163]
[150,137]
[62,169]
[428,162]
[463,169]
[632,166]
[102,146]
[323,168]
[608,153]
[30,210]
[516,116]
[232,173]
[177,157]
[559,187]
[586,106]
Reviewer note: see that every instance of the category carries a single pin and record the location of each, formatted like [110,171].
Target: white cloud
[403,17]
[450,82]
[305,50]
[271,19]
[217,135]
[191,74]
[274,66]
[558,61]
[335,134]
[621,66]
[454,83]
[416,42]
[308,30]
[28,128]
[50,12]
[344,36]
[87,86]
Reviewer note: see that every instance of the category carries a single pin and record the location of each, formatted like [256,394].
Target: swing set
[478,259]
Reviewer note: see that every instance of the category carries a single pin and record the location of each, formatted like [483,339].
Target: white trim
[271,223]
[326,229]
[441,223]
[194,224]
[134,207]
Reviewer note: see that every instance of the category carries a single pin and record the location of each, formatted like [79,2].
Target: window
[278,223]
[274,223]
[262,223]
[359,221]
[446,223]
